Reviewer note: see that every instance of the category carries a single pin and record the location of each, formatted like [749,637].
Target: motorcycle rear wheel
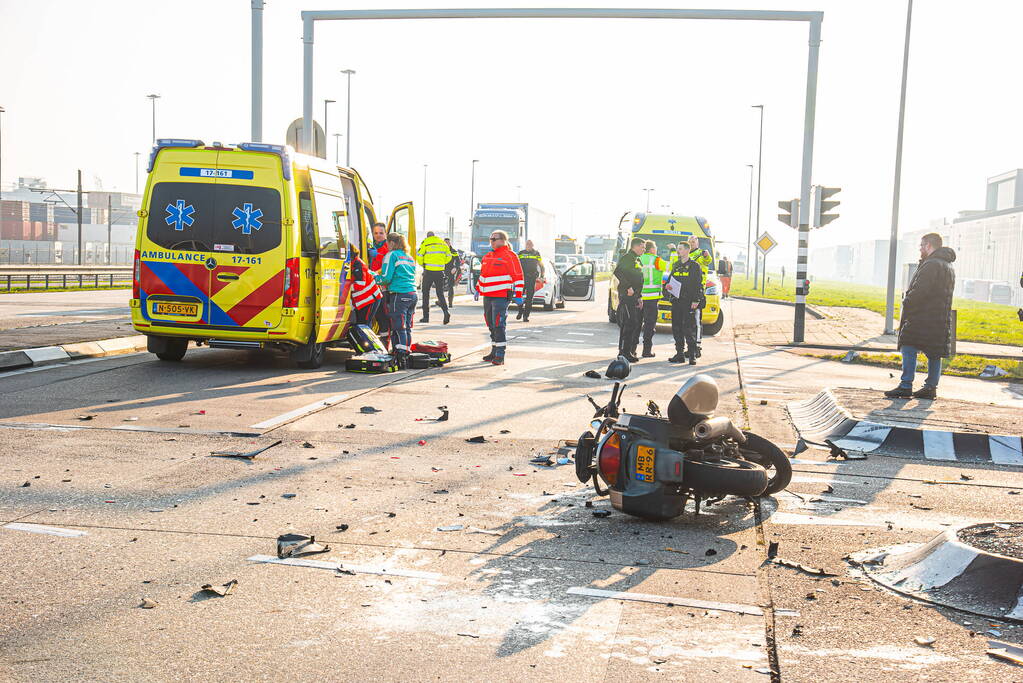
[725,477]
[761,451]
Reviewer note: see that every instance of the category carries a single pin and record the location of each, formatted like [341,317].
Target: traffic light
[821,205]
[791,215]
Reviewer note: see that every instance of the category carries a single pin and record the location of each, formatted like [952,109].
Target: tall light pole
[137,154]
[325,103]
[749,221]
[648,190]
[2,110]
[257,70]
[760,161]
[472,192]
[153,98]
[893,240]
[424,196]
[348,113]
[337,142]
[518,193]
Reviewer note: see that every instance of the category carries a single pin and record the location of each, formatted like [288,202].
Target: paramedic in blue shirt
[398,275]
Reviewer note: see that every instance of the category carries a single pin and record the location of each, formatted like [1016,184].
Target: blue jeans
[400,310]
[909,354]
[495,312]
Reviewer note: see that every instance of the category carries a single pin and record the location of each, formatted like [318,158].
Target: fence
[63,277]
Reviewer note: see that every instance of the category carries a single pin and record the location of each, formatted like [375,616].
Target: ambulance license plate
[645,463]
[176,309]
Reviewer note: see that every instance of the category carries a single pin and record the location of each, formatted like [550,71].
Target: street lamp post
[337,142]
[137,154]
[348,114]
[760,160]
[424,196]
[325,103]
[648,191]
[472,192]
[749,221]
[2,110]
[893,240]
[153,98]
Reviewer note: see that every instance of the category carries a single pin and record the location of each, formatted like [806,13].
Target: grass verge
[960,366]
[978,321]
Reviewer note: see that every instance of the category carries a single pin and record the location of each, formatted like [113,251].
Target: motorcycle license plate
[176,309]
[645,463]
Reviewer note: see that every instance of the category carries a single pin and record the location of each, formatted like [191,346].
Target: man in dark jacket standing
[926,322]
[532,268]
[685,291]
[630,286]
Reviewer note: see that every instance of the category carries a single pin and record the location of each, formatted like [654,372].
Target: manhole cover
[1000,538]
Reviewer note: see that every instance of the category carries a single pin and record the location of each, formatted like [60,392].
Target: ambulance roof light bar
[283,151]
[170,142]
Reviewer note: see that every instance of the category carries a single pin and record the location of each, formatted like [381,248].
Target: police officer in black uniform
[686,305]
[630,287]
[532,268]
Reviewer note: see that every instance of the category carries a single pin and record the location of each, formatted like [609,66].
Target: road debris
[306,444]
[85,418]
[421,442]
[451,527]
[676,550]
[297,545]
[288,495]
[592,374]
[710,552]
[130,419]
[349,572]
[469,635]
[601,513]
[148,603]
[244,455]
[222,590]
[1007,652]
[369,410]
[812,571]
[924,641]
[477,530]
[341,527]
[348,426]
[476,439]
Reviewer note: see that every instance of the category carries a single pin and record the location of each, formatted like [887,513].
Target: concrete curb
[945,571]
[48,355]
[884,349]
[809,309]
[822,419]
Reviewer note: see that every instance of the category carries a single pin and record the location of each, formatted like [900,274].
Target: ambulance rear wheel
[173,350]
[315,358]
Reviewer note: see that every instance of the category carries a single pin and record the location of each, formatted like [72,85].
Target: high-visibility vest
[703,259]
[366,290]
[434,254]
[653,268]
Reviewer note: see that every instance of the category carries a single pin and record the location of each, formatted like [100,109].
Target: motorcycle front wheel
[761,451]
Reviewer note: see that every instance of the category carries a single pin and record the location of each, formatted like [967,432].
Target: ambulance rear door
[336,210]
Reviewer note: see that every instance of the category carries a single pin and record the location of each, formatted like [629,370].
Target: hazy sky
[581,114]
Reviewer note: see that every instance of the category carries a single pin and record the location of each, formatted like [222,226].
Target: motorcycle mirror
[695,400]
[618,369]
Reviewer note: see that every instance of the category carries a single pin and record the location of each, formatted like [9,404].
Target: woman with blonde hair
[398,276]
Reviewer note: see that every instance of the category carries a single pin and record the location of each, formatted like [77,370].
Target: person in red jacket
[499,282]
[378,249]
[367,297]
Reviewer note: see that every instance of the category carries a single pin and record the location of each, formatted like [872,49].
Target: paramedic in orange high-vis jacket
[500,281]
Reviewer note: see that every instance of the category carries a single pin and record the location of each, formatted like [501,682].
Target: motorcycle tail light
[610,458]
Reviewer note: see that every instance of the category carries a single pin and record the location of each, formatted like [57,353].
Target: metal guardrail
[63,277]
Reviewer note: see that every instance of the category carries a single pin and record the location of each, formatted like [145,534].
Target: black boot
[648,351]
[679,357]
[518,316]
[490,356]
[447,317]
[692,359]
[899,392]
[631,356]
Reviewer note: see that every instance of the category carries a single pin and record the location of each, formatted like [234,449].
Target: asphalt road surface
[116,453]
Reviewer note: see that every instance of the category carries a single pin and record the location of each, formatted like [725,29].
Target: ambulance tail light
[609,459]
[292,283]
[136,275]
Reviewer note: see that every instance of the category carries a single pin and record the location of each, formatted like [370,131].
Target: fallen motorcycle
[652,465]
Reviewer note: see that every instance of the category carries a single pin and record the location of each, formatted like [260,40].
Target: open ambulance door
[403,222]
[475,264]
[577,282]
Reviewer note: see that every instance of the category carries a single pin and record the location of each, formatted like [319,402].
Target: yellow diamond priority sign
[765,243]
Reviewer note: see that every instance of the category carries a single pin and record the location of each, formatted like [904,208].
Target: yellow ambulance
[246,246]
[665,229]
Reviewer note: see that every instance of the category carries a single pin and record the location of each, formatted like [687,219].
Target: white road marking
[571,341]
[319,564]
[752,610]
[40,368]
[299,412]
[1006,450]
[937,445]
[795,518]
[40,529]
[584,334]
